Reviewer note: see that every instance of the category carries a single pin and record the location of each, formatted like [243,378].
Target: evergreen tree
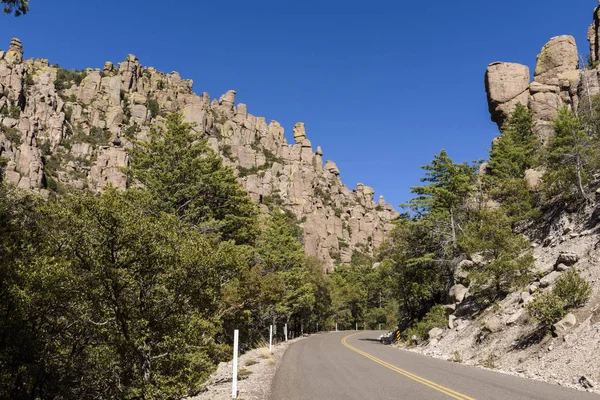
[189,180]
[507,263]
[571,157]
[445,197]
[512,154]
[515,150]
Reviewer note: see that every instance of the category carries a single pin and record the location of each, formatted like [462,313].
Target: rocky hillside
[62,128]
[504,335]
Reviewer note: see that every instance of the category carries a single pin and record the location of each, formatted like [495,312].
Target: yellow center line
[407,374]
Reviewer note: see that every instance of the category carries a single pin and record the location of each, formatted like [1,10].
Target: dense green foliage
[569,291]
[188,178]
[513,152]
[135,294]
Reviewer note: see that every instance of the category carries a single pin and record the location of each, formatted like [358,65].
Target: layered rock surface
[60,128]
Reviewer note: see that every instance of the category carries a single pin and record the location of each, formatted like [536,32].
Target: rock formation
[556,83]
[73,128]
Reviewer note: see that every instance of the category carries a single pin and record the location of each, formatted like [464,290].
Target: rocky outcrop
[507,84]
[74,128]
[556,84]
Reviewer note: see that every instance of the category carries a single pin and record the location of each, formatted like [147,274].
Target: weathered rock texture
[75,131]
[557,82]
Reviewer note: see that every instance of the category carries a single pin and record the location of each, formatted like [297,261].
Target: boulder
[558,57]
[549,279]
[493,324]
[567,258]
[451,319]
[461,272]
[533,287]
[457,293]
[565,324]
[331,167]
[562,267]
[506,85]
[526,298]
[435,333]
[299,132]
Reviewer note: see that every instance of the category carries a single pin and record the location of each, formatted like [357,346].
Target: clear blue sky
[381,85]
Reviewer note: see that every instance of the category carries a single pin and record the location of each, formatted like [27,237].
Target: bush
[13,135]
[572,289]
[435,318]
[14,112]
[547,309]
[65,78]
[153,107]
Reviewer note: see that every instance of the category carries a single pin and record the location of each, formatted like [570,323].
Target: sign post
[271,339]
[236,334]
[285,332]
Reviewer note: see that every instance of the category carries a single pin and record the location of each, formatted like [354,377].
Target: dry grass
[244,373]
[271,362]
[251,362]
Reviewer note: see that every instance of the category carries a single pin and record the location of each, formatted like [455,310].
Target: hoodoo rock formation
[72,128]
[557,82]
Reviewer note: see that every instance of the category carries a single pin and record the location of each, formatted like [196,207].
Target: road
[348,366]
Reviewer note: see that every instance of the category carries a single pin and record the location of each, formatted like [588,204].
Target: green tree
[117,299]
[18,7]
[515,150]
[444,198]
[507,263]
[511,155]
[189,180]
[571,158]
[419,272]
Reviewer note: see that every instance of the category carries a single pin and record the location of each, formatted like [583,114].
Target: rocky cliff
[62,128]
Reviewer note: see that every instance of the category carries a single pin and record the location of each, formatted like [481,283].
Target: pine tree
[514,151]
[571,157]
[507,261]
[189,179]
[444,197]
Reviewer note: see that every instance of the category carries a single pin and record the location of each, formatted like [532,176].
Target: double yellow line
[407,374]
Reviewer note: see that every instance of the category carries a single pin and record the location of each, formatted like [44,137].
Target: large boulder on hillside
[506,85]
[457,293]
[567,258]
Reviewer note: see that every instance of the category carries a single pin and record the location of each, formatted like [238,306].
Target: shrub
[13,135]
[572,289]
[435,318]
[65,78]
[14,112]
[153,107]
[547,309]
[44,146]
[29,80]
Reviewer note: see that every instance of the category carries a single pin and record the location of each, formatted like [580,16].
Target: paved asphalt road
[349,366]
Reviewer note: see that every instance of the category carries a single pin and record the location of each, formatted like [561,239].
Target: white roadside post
[336,326]
[379,326]
[271,339]
[317,327]
[236,335]
[285,331]
[357,326]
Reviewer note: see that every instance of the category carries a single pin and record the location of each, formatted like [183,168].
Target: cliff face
[70,128]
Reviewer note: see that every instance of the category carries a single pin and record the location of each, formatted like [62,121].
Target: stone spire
[14,53]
